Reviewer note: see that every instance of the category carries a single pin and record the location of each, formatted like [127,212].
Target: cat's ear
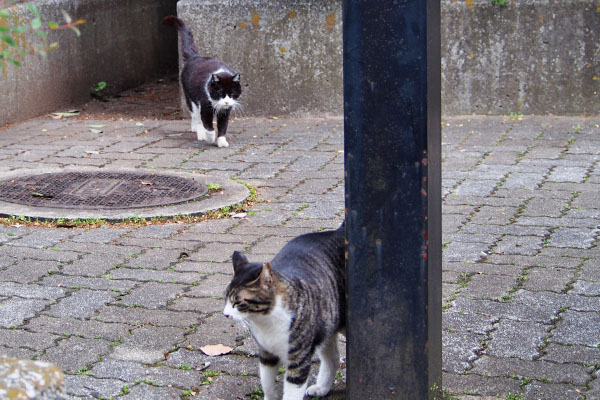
[236,78]
[214,78]
[266,276]
[239,261]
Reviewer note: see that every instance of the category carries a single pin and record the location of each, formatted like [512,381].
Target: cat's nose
[226,314]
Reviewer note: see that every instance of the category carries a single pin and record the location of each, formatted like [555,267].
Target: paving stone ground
[124,314]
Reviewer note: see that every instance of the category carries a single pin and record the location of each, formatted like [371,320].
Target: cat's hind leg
[329,355]
[268,368]
[197,122]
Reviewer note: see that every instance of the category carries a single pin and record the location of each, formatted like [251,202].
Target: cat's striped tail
[187,39]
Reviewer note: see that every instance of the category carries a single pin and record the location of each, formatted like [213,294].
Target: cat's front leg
[329,356]
[206,114]
[222,122]
[296,376]
[268,373]
[294,391]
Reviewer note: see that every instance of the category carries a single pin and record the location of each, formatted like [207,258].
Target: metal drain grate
[100,190]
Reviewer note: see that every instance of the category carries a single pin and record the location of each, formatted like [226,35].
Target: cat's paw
[222,142]
[317,391]
[200,133]
[211,136]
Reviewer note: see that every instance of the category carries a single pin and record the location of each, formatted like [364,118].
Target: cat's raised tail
[187,39]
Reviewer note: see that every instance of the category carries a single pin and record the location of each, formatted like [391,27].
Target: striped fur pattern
[294,306]
[210,86]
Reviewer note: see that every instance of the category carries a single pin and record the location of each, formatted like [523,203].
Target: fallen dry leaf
[216,349]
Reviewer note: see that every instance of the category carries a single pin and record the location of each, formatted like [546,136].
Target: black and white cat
[293,306]
[210,86]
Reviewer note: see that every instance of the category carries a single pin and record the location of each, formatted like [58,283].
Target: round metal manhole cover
[100,190]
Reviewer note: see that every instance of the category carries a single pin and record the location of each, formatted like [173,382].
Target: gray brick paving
[81,303]
[516,339]
[124,310]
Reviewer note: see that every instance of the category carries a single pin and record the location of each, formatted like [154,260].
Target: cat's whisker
[238,110]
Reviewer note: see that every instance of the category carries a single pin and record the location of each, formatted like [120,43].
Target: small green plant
[513,396]
[525,381]
[100,86]
[499,2]
[515,116]
[256,394]
[213,187]
[185,367]
[441,394]
[125,389]
[303,207]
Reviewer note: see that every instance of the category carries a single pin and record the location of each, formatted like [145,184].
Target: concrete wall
[289,52]
[121,43]
[530,56]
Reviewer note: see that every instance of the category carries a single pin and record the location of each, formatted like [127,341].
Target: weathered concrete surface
[531,56]
[122,43]
[288,52]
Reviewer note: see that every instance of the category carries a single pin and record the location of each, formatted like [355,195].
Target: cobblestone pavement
[124,314]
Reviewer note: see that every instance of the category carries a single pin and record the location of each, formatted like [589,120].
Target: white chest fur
[272,331]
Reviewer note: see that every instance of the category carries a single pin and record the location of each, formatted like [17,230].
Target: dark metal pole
[393,198]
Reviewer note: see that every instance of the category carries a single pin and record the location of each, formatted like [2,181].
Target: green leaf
[76,30]
[4,30]
[53,25]
[42,34]
[20,29]
[4,14]
[36,23]
[15,62]
[7,39]
[33,9]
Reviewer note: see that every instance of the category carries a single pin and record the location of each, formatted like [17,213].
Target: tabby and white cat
[210,86]
[293,306]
